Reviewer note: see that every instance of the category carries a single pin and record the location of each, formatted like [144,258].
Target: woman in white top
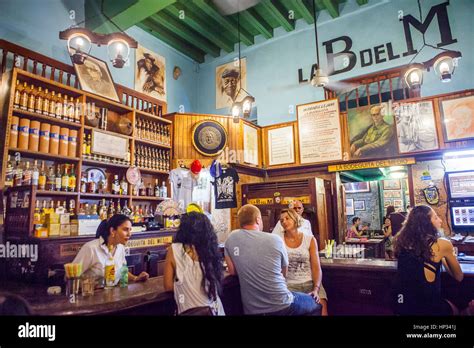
[193,267]
[304,269]
[112,235]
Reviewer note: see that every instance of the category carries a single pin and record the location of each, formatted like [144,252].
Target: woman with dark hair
[356,231]
[112,235]
[390,210]
[420,251]
[193,267]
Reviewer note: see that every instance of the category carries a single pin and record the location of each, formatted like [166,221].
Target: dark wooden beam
[162,33]
[278,12]
[332,6]
[208,8]
[305,12]
[124,13]
[255,20]
[193,38]
[200,24]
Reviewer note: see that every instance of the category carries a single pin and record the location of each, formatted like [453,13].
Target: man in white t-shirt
[305,227]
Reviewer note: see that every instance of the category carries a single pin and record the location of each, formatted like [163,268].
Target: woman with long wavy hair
[420,250]
[193,267]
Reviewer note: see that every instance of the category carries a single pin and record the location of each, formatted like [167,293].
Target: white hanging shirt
[182,184]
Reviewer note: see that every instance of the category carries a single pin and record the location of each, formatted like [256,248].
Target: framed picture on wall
[391,185]
[398,203]
[387,202]
[94,77]
[281,146]
[349,206]
[359,205]
[150,73]
[355,187]
[392,194]
[416,126]
[458,118]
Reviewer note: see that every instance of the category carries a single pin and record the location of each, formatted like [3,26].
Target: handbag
[199,311]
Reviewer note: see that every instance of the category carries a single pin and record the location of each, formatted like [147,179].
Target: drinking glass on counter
[73,280]
[88,285]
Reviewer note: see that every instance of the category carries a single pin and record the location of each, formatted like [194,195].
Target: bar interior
[244,162]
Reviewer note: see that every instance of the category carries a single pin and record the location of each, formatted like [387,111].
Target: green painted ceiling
[196,28]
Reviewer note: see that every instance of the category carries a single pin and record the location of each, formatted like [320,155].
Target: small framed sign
[109,145]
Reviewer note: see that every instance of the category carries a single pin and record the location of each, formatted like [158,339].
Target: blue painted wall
[272,66]
[36,24]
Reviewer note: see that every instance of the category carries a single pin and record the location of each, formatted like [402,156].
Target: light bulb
[414,78]
[236,111]
[444,68]
[80,41]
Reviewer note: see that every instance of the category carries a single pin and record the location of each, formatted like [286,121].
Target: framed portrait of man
[94,77]
[458,118]
[228,82]
[416,126]
[150,73]
[372,131]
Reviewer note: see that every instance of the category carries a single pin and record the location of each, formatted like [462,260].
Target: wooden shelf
[152,171]
[45,156]
[152,143]
[148,198]
[108,132]
[108,103]
[151,116]
[105,164]
[103,195]
[49,119]
[55,193]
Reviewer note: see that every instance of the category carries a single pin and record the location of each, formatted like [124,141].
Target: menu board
[319,132]
[281,148]
[109,145]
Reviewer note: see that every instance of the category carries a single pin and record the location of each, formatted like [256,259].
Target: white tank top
[188,292]
[299,267]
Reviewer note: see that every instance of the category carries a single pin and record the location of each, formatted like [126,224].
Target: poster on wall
[94,77]
[458,118]
[228,82]
[416,126]
[349,206]
[391,184]
[250,145]
[281,147]
[355,187]
[319,130]
[372,131]
[359,205]
[150,73]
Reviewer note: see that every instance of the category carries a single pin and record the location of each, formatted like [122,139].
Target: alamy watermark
[19,251]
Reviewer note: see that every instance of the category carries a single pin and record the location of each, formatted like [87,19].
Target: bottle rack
[115,112]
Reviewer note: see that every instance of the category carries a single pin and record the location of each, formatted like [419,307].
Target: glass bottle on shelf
[72,210]
[124,186]
[81,210]
[17,97]
[138,127]
[119,208]
[102,186]
[57,185]
[35,174]
[59,106]
[24,97]
[88,144]
[142,189]
[83,188]
[27,174]
[18,177]
[42,178]
[52,104]
[37,214]
[149,190]
[77,111]
[111,211]
[163,190]
[157,188]
[72,179]
[91,185]
[51,180]
[39,101]
[65,179]
[32,98]
[93,210]
[115,185]
[46,102]
[103,210]
[9,173]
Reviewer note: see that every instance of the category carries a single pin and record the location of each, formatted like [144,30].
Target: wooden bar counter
[354,287]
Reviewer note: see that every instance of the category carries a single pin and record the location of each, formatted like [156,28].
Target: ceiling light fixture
[443,64]
[245,105]
[80,40]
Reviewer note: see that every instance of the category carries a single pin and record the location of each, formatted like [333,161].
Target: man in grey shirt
[260,261]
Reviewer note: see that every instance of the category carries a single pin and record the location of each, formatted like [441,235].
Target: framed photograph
[398,203]
[150,73]
[392,194]
[320,118]
[369,125]
[416,127]
[359,205]
[391,185]
[354,187]
[228,81]
[281,146]
[250,145]
[349,206]
[458,118]
[94,77]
